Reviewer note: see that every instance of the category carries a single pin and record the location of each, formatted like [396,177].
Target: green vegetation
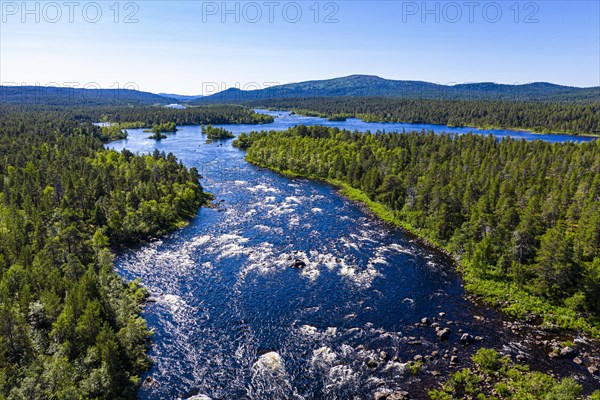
[243,141]
[147,117]
[158,130]
[69,326]
[112,132]
[164,127]
[213,133]
[143,117]
[157,136]
[521,218]
[495,377]
[570,118]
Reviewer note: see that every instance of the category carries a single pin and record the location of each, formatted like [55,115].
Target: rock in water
[381,395]
[466,338]
[443,334]
[398,395]
[298,264]
[372,363]
[567,352]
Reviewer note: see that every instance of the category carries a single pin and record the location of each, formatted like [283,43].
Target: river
[232,320]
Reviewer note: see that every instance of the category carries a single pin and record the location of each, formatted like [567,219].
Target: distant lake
[284,120]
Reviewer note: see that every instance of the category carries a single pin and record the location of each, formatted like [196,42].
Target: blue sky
[191,47]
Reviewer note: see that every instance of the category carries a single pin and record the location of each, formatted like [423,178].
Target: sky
[200,47]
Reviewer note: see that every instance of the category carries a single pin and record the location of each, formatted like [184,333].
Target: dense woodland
[69,326]
[572,118]
[139,117]
[522,218]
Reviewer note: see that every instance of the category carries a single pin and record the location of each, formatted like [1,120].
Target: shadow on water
[232,319]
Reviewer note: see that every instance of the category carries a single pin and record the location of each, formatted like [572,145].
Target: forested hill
[374,86]
[522,218]
[350,86]
[63,96]
[69,326]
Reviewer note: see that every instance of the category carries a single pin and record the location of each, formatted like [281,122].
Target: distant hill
[180,97]
[374,86]
[349,86]
[61,96]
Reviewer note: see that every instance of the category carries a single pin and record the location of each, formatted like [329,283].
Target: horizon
[167,93]
[193,47]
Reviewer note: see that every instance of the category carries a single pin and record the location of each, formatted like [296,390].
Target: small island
[213,133]
[158,129]
[339,117]
[157,136]
[163,127]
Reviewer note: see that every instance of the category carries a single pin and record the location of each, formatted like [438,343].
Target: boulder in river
[381,395]
[425,321]
[150,382]
[443,334]
[466,338]
[566,351]
[397,395]
[298,264]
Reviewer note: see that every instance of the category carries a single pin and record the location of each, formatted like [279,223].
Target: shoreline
[490,127]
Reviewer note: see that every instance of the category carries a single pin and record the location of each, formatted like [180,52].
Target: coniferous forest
[578,118]
[69,326]
[521,218]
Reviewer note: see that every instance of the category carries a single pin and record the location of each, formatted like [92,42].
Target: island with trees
[215,133]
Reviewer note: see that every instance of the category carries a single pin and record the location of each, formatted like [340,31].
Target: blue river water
[233,320]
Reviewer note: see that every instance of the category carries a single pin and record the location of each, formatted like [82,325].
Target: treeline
[138,117]
[522,218]
[149,116]
[69,326]
[541,117]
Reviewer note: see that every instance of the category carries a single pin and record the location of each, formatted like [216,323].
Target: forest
[522,219]
[69,326]
[141,117]
[540,117]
